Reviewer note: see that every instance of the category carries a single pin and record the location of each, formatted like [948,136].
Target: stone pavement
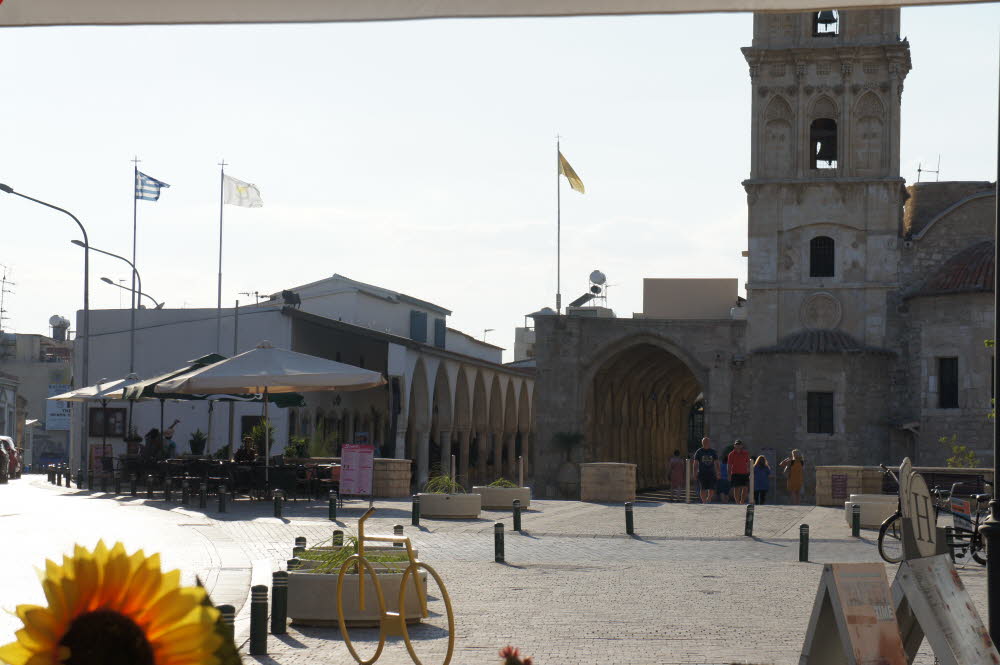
[688,588]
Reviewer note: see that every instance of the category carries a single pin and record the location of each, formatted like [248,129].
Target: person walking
[793,467]
[761,479]
[706,466]
[739,471]
[675,472]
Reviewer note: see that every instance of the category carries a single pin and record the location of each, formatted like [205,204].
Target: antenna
[255,294]
[4,283]
[487,330]
[937,173]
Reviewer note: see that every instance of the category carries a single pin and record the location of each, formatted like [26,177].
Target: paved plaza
[687,588]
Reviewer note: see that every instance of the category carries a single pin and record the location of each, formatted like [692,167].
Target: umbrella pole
[104,435]
[208,444]
[163,440]
[267,442]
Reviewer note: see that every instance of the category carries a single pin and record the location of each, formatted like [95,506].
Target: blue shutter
[418,326]
[439,333]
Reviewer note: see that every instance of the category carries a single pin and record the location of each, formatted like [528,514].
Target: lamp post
[85,360]
[108,280]
[131,338]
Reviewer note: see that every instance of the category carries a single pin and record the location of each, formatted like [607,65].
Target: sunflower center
[106,638]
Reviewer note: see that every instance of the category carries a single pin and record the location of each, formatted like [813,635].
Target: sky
[419,155]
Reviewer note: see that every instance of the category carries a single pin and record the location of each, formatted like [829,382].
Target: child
[761,479]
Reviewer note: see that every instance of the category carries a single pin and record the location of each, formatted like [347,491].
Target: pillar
[444,442]
[510,459]
[423,452]
[463,457]
[400,443]
[483,443]
[497,441]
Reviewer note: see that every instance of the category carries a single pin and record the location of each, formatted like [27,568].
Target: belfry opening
[643,404]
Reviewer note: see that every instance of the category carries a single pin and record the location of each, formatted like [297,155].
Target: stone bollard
[498,542]
[804,542]
[517,515]
[149,486]
[278,496]
[398,532]
[279,602]
[748,528]
[258,620]
[338,538]
[222,498]
[203,496]
[629,520]
[856,520]
[332,510]
[228,615]
[415,511]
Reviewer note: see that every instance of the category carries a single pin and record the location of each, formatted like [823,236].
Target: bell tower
[824,194]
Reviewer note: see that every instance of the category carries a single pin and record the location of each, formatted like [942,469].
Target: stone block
[607,482]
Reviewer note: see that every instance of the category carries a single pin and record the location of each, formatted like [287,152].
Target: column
[463,458]
[483,442]
[400,443]
[498,439]
[444,442]
[510,463]
[423,452]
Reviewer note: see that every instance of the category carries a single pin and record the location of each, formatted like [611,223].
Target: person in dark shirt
[706,465]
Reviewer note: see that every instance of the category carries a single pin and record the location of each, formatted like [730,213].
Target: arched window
[823,140]
[821,257]
[826,23]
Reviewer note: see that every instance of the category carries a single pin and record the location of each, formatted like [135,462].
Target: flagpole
[135,213]
[218,304]
[558,232]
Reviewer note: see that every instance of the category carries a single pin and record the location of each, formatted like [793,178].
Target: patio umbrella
[267,370]
[103,391]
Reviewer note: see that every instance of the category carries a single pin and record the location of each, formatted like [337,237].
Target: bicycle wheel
[890,539]
[412,570]
[342,623]
[978,549]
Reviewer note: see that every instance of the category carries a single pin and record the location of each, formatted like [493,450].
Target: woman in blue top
[761,479]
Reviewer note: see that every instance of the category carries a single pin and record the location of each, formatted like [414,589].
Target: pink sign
[357,465]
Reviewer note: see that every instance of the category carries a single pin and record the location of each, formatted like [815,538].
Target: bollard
[300,541]
[228,615]
[104,483]
[79,479]
[118,483]
[804,542]
[258,620]
[333,506]
[222,498]
[498,542]
[168,483]
[517,515]
[203,496]
[748,528]
[133,483]
[279,602]
[293,564]
[185,492]
[277,503]
[415,511]
[50,475]
[856,520]
[338,538]
[149,486]
[398,532]
[59,477]
[629,520]
[297,550]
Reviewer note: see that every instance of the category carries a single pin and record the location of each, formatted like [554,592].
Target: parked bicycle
[963,537]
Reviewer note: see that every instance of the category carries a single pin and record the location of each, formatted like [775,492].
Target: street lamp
[156,305]
[85,360]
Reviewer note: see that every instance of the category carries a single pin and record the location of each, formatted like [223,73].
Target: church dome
[820,341]
[969,271]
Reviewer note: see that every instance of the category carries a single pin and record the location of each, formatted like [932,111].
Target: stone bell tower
[824,193]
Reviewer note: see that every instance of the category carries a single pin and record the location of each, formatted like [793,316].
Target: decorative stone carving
[824,107]
[869,132]
[822,68]
[777,139]
[778,69]
[820,311]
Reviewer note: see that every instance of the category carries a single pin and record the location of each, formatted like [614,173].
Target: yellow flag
[567,170]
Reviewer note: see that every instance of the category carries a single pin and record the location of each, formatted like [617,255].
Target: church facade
[862,338]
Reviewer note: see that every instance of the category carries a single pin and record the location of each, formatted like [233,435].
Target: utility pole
[4,283]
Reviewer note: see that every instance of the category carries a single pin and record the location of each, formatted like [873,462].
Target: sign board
[931,601]
[853,621]
[58,415]
[838,486]
[922,516]
[357,467]
[961,511]
[98,451]
[905,469]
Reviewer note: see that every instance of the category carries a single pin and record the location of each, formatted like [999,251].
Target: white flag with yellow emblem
[567,170]
[238,193]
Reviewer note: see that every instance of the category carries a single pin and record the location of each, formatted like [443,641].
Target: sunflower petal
[14,653]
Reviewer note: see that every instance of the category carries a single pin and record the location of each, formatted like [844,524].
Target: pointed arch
[778,138]
[869,133]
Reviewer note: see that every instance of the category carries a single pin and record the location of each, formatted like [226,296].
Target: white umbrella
[103,391]
[266,369]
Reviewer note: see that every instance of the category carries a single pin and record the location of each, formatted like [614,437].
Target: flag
[239,193]
[146,188]
[567,170]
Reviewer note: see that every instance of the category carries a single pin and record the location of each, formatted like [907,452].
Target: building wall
[688,298]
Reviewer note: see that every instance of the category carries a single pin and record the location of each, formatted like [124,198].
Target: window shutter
[418,326]
[439,333]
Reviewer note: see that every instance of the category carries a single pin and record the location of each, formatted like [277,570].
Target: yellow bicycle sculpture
[391,623]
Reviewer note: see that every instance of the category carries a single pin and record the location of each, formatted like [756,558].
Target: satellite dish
[57,321]
[595,289]
[597,277]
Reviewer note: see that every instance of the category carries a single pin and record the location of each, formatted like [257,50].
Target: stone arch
[441,422]
[824,107]
[494,450]
[522,446]
[418,424]
[779,137]
[463,422]
[596,359]
[869,133]
[480,428]
[637,404]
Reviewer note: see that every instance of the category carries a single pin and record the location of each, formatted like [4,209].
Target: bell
[826,150]
[826,17]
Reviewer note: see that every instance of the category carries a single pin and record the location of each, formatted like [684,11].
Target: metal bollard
[104,483]
[133,484]
[297,550]
[279,602]
[118,484]
[300,541]
[629,520]
[228,615]
[258,620]
[79,479]
[168,485]
[149,486]
[804,542]
[185,492]
[203,496]
[398,532]
[333,506]
[498,542]
[277,503]
[415,510]
[222,498]
[49,475]
[338,538]
[517,515]
[748,528]
[59,477]
[856,520]
[293,564]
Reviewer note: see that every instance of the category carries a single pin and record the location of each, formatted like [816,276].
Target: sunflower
[107,607]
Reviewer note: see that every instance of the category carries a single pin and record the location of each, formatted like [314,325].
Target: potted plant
[132,441]
[444,497]
[312,588]
[501,494]
[197,442]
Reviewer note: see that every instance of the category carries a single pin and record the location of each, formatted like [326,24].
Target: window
[819,413]
[826,23]
[106,422]
[823,140]
[439,333]
[821,257]
[418,326]
[947,383]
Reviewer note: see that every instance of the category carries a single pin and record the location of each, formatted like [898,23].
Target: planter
[502,498]
[450,505]
[312,598]
[875,508]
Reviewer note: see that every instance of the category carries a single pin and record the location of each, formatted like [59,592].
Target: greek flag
[146,188]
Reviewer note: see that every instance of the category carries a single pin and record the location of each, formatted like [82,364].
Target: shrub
[443,484]
[962,457]
[502,482]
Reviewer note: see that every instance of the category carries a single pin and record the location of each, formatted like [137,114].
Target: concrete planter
[875,508]
[450,505]
[502,498]
[312,598]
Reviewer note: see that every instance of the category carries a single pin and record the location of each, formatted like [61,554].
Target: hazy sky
[420,156]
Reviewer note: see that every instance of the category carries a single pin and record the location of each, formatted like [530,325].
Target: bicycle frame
[362,538]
